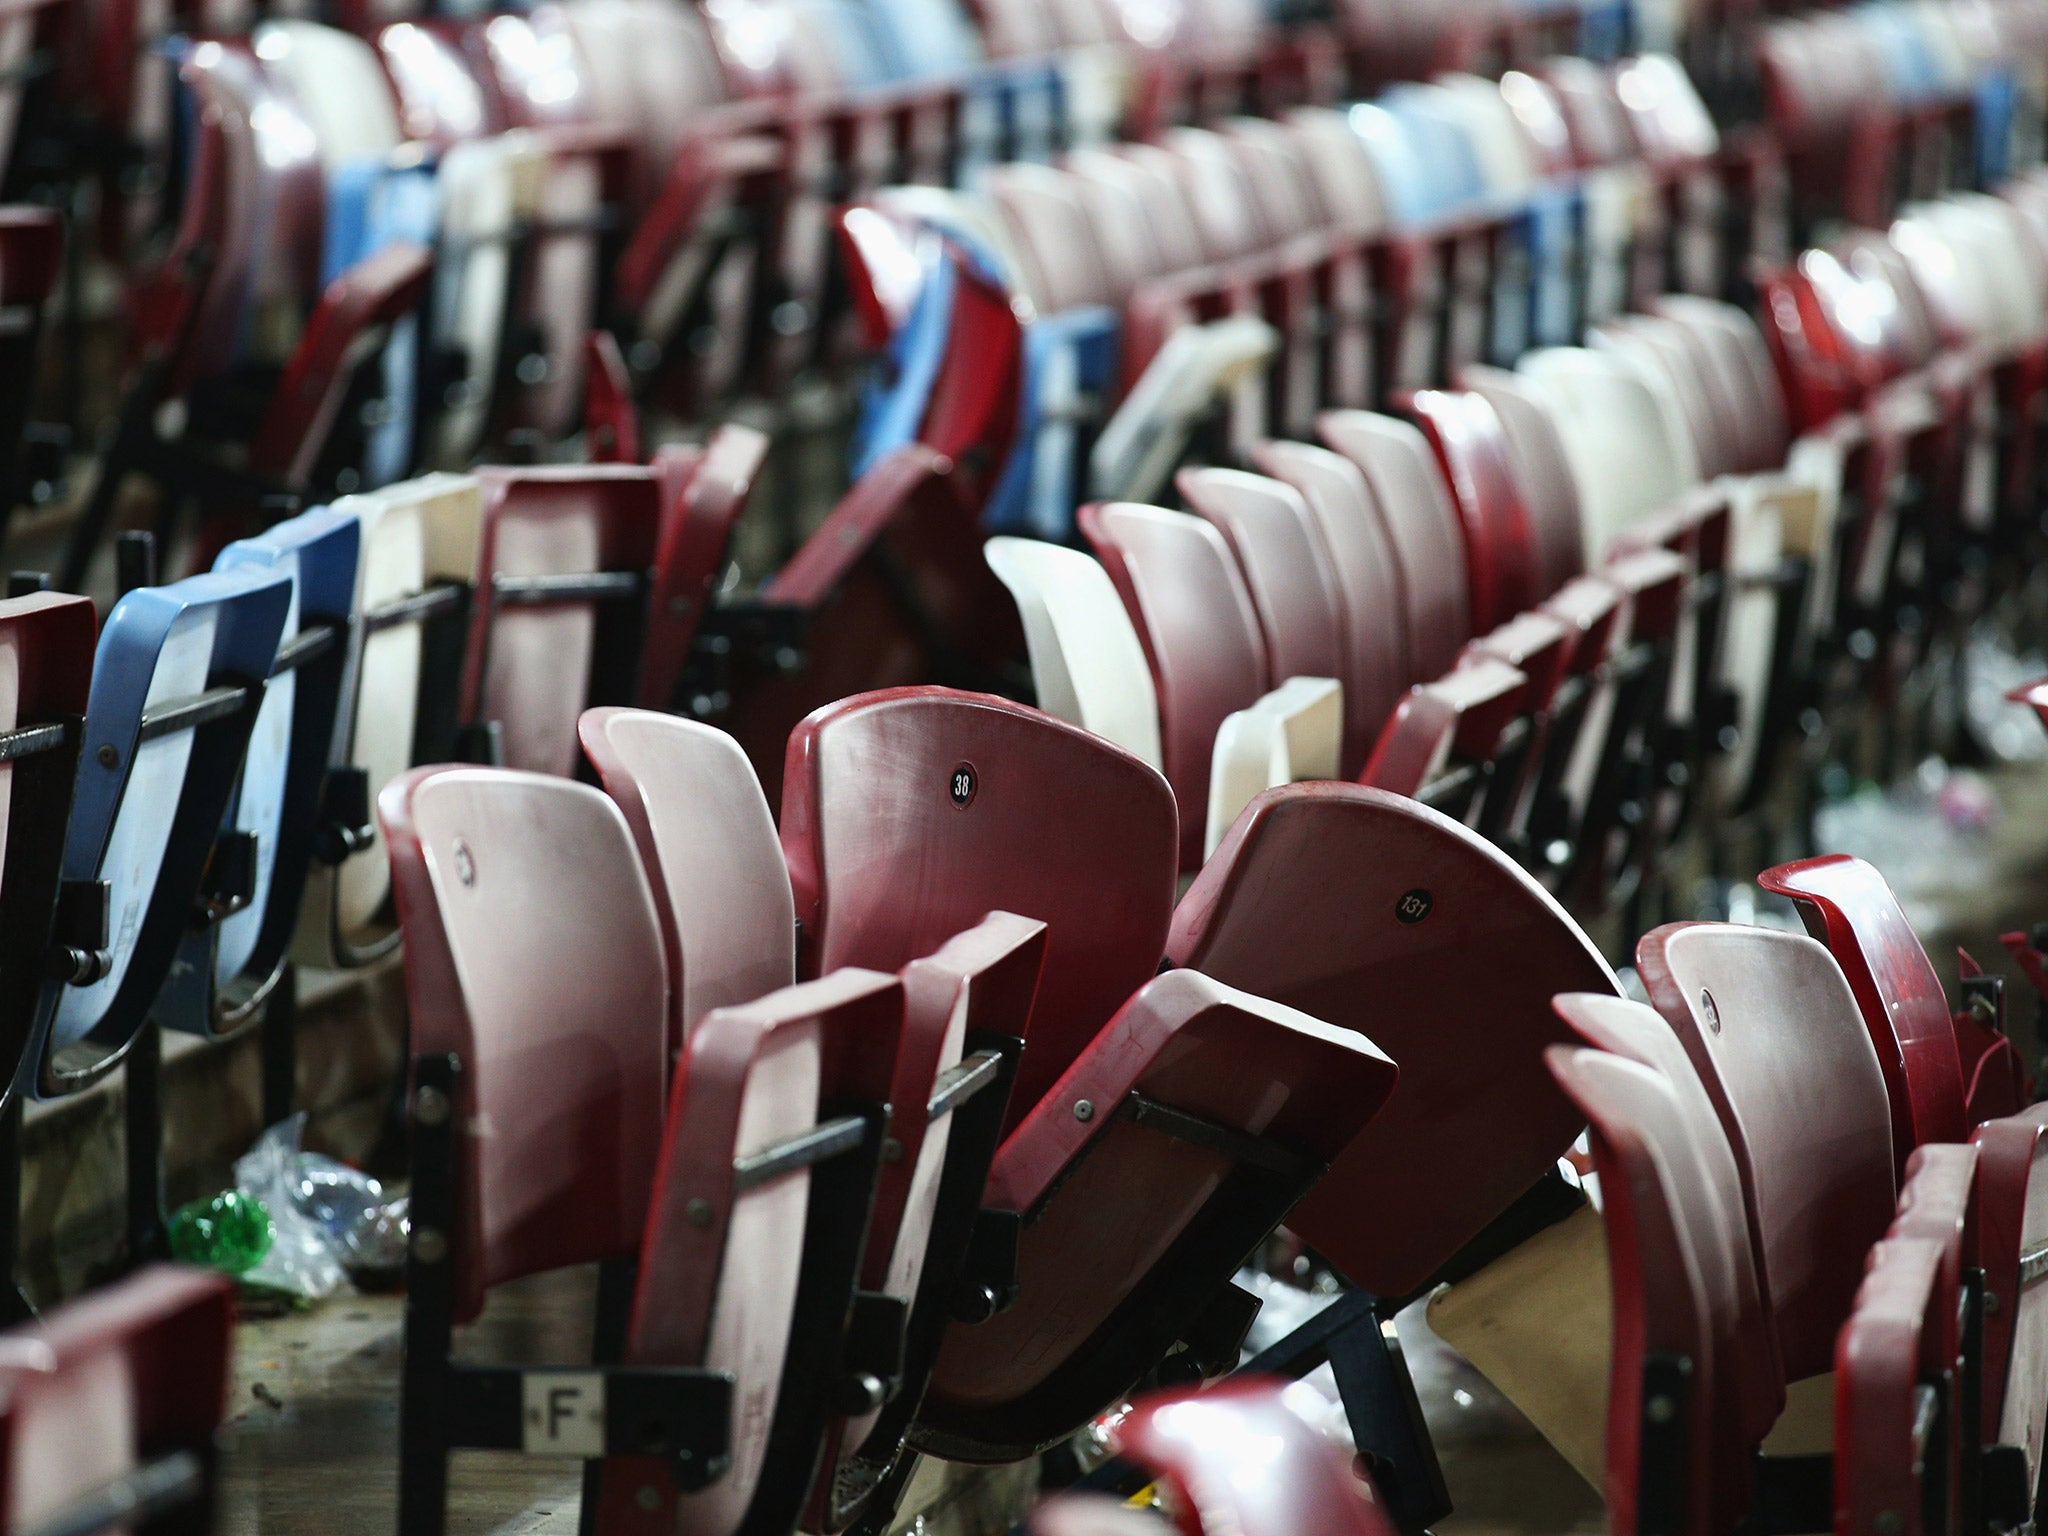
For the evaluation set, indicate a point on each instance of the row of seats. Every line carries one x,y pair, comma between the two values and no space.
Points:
1329,260
1827,1100
199,780
1879,104
1792,1174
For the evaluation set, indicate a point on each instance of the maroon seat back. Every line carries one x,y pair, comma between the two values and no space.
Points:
907,815
1293,591
1477,462
1847,906
1187,599
1749,1380
703,495
533,664
903,523
136,1369
707,843
1422,525
1889,1355
1549,494
1774,1034
1352,905
1351,544
507,885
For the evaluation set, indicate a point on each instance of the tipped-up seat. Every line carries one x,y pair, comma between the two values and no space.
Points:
1422,526
1805,1109
1224,1109
703,496
48,640
177,682
559,608
1892,1454
227,970
1353,545
416,564
1677,1317
708,846
760,1183
1226,731
891,589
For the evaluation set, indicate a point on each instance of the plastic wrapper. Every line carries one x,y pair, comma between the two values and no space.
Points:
296,1222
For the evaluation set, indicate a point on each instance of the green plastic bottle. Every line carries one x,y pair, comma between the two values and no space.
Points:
229,1231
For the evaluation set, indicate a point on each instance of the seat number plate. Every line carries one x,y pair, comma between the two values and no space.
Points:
563,1413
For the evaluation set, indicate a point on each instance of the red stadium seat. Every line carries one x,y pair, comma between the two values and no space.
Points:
1847,906
1351,903
109,1407
1805,1109
559,612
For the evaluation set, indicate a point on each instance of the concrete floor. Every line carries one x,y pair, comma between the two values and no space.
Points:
312,1440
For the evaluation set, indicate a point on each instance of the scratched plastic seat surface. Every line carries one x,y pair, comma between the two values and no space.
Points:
417,561
1351,904
156,778
1805,1107
909,814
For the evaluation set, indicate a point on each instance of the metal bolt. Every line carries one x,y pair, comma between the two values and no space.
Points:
1084,1110
648,1498
429,1246
430,1106
698,1212
892,1150
1990,1303
1713,1014
1661,1410
1889,1522
465,863
108,755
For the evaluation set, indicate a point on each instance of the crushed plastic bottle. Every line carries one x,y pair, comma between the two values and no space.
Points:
229,1231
